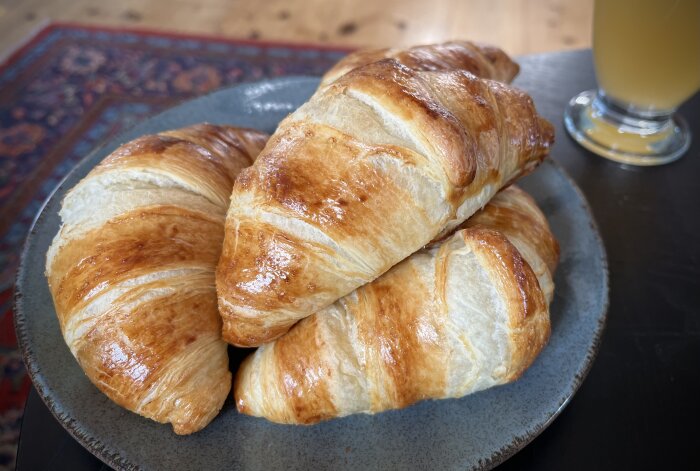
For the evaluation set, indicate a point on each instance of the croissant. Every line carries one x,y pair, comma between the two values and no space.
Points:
466,314
367,172
131,271
482,60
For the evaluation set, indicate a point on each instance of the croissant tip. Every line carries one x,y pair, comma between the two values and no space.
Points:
185,428
242,406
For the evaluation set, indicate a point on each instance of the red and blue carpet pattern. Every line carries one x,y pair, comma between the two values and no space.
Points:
73,87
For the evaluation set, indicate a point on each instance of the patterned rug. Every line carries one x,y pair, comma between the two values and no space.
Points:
70,88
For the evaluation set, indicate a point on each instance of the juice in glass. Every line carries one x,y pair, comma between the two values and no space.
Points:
647,52
647,61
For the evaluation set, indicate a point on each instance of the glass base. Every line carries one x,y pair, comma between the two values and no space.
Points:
613,132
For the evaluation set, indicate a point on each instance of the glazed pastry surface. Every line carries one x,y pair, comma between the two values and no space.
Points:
132,269
482,60
465,314
371,169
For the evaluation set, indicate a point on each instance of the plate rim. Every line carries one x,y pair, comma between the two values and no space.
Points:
112,457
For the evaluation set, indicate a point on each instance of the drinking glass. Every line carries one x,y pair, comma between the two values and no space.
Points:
647,62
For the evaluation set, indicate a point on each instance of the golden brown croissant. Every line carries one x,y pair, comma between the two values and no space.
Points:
482,60
466,314
368,171
131,271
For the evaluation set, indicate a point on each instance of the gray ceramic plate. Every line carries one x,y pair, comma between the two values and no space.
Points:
478,431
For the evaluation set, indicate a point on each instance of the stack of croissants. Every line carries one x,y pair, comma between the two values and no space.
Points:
373,248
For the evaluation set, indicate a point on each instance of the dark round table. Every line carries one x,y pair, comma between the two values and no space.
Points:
639,407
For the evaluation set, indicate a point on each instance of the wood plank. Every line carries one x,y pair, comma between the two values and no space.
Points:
517,26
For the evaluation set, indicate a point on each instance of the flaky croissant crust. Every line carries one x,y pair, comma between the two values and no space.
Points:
368,171
468,313
131,271
482,60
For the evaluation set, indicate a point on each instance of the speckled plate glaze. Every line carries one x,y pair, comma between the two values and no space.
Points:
475,432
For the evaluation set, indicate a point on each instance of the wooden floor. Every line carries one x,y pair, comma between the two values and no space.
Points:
518,26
